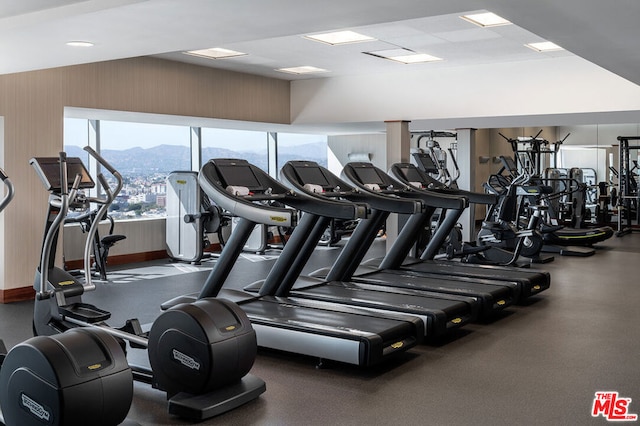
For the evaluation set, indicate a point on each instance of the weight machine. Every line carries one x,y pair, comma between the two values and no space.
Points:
628,187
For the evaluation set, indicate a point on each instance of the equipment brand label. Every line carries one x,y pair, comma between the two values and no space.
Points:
185,360
612,407
34,408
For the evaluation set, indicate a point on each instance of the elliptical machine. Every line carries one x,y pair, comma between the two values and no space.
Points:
200,353
501,229
71,378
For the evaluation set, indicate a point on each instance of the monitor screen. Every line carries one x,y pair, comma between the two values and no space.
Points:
49,170
411,174
368,175
239,175
312,175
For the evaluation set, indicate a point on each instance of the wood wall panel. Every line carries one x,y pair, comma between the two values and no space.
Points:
32,104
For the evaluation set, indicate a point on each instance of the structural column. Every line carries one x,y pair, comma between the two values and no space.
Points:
467,158
398,150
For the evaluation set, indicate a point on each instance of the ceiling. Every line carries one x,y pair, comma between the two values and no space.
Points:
33,33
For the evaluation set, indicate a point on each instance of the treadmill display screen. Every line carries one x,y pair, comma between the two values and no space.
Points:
411,174
369,175
312,175
239,175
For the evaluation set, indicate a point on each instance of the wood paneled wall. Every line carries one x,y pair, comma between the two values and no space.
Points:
32,104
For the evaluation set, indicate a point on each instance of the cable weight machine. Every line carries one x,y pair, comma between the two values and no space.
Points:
628,188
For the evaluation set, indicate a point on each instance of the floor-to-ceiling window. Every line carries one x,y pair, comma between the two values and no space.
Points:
228,143
146,153
296,146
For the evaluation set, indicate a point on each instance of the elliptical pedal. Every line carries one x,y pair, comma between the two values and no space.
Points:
84,312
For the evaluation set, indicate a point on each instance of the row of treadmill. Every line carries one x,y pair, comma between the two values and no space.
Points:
202,347
358,311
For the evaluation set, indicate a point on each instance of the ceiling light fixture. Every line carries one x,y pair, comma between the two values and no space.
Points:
487,19
544,46
306,69
215,53
78,43
404,56
340,37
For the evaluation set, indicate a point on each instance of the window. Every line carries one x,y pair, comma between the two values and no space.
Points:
144,154
244,144
292,146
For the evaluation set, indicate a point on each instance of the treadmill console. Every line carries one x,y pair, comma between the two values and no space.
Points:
370,177
238,173
311,174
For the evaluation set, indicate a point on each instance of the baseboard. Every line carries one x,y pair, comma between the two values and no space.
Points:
121,259
27,293
17,294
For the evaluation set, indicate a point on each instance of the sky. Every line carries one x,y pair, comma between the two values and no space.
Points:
123,135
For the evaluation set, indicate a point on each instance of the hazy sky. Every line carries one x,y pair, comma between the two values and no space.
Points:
123,135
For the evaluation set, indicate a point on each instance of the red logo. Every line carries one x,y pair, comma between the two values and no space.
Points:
612,407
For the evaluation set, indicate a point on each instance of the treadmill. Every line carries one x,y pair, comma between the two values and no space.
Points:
343,334
530,281
308,177
440,313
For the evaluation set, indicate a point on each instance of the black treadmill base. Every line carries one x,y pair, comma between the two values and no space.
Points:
201,407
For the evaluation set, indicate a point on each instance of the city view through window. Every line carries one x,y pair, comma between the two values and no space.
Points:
145,154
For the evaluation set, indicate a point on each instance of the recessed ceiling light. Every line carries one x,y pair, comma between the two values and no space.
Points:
340,37
79,43
487,19
404,56
215,53
302,70
544,46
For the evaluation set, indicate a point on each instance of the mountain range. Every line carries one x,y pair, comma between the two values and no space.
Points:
164,159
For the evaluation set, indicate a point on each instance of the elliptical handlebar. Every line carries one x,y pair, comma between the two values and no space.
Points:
10,190
105,203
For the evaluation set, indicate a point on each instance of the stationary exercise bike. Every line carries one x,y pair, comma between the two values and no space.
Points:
199,353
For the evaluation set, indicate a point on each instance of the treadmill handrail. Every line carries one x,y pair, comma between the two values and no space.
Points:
402,190
256,212
321,207
331,199
389,202
473,197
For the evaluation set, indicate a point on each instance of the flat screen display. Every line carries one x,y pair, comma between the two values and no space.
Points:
368,175
312,175
239,175
411,174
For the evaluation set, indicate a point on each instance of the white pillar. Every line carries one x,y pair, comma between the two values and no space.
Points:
398,146
467,158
